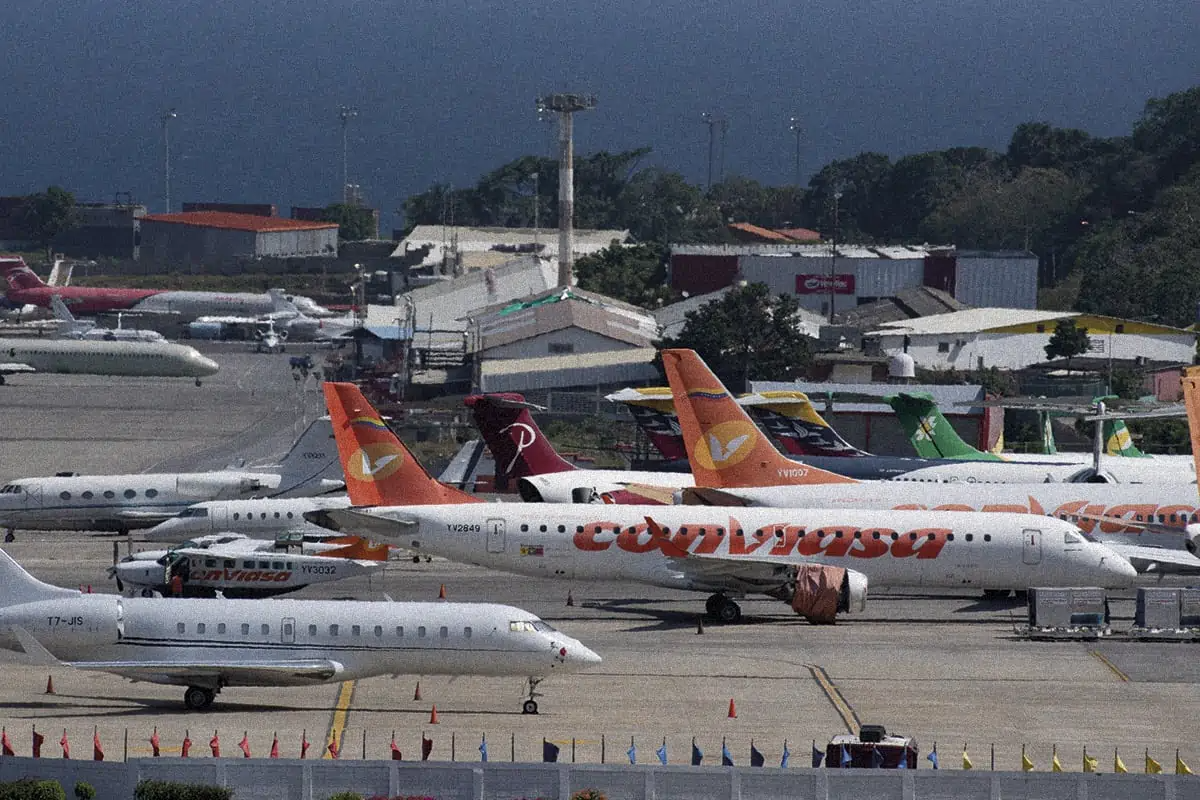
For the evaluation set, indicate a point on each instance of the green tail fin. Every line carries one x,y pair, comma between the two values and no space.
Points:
1048,446
1118,442
929,431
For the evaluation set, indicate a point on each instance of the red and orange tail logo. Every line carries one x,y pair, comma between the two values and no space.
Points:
356,547
724,447
378,468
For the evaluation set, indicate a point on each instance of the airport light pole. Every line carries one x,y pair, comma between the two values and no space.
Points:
167,116
715,122
794,127
837,197
565,105
345,114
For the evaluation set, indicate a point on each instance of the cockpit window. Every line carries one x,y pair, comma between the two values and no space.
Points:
11,488
1071,537
194,512
544,627
521,626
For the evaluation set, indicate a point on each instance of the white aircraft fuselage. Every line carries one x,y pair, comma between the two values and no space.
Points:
262,518
103,357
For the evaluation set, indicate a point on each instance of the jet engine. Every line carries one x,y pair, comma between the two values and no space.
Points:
822,592
1192,539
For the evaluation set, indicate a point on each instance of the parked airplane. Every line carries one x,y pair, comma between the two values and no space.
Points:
101,357
1145,523
780,553
25,287
122,503
71,328
238,566
208,645
260,517
269,340
288,320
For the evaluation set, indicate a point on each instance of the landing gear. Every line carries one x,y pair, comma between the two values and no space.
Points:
724,609
198,698
530,706
995,594
10,534
197,381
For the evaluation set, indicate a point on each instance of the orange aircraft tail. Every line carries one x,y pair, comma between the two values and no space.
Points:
356,547
725,448
379,469
1191,400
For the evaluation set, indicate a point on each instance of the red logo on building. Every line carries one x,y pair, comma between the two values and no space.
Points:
823,284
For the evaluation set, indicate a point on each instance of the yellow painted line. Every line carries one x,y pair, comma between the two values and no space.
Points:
843,708
1115,669
337,722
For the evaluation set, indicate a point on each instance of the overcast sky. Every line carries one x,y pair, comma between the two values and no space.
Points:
446,90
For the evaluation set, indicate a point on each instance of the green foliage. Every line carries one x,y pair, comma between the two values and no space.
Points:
32,789
1127,384
355,223
1160,435
1067,341
84,791
588,794
747,335
637,274
993,380
169,790
47,214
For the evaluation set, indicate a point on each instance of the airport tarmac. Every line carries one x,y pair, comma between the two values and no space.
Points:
942,669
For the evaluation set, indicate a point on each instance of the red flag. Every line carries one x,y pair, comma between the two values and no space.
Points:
154,741
245,744
37,743
275,747
215,744
66,746
5,744
332,747
304,744
97,750
395,750
426,747
186,747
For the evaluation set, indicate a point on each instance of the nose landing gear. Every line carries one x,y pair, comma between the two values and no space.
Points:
530,706
198,698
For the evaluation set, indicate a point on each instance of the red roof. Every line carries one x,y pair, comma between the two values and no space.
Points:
745,231
238,222
800,234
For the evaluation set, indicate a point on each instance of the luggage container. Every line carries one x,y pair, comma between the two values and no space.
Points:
1067,613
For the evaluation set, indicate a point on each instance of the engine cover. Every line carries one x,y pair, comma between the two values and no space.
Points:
823,591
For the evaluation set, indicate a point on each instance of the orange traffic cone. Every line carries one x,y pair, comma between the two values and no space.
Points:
442,592
732,709
49,684
433,718
417,693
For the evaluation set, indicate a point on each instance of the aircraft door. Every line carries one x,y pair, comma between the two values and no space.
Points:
33,497
287,630
495,536
218,518
1031,550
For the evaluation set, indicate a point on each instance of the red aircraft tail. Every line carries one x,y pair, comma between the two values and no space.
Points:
518,445
18,274
379,469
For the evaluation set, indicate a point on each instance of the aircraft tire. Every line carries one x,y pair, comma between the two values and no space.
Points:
713,603
529,707
729,612
197,698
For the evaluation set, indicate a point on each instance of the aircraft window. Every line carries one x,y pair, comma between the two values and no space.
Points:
779,534
130,494
913,536
289,565
247,565
109,494
333,630
544,627
562,528
420,631
400,631
230,563
378,631
467,633
152,493
356,630
87,495
970,537
236,515
858,534
1070,537
288,630
200,627
579,529
895,536
683,529
65,495
444,632
616,529
289,515
312,630
276,515
521,626
210,562
1162,517
875,534
837,535
276,565
221,627
246,629
191,511
703,532
180,627
542,528
987,537
263,515
264,565
524,528
949,537
266,630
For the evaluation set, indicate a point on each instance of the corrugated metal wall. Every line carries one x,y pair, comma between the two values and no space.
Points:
996,282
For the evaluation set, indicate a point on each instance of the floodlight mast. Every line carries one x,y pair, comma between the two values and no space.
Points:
565,105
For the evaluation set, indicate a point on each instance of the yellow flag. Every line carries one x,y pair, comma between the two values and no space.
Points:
1089,762
1026,761
1118,764
1055,764
1180,767
1152,766
967,759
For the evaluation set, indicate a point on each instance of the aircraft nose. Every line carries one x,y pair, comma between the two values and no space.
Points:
206,364
579,655
1116,568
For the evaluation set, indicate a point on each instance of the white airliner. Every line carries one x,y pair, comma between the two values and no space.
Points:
238,566
208,645
71,328
700,548
124,502
262,518
285,317
736,465
103,357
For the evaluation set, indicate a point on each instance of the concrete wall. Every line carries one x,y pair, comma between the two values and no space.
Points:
584,341
1020,350
266,779
319,242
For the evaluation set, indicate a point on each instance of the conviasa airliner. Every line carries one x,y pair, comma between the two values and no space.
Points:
103,357
208,645
783,553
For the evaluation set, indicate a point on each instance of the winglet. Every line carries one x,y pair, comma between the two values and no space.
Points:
724,447
665,544
379,469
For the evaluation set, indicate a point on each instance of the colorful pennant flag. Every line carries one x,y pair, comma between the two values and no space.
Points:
5,744
697,754
244,744
1152,766
154,742
1118,765
967,759
1026,761
65,744
97,750
275,745
1090,764
37,743
1180,767
1055,764
482,748
932,757
549,752
214,744
186,747
662,752
756,758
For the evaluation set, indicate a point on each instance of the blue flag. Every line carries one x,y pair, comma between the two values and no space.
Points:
697,754
549,751
756,758
933,757
903,763
483,749
817,756
845,756
876,758
662,753
632,753
726,756
783,760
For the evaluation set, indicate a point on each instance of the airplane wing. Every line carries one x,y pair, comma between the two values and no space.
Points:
1157,560
716,569
145,516
13,367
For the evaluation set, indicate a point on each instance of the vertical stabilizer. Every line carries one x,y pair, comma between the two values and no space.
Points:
724,447
1191,401
18,275
311,466
518,446
379,470
1118,441
791,420
929,431
18,586
653,409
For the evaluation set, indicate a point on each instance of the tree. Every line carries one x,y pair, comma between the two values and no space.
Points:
636,273
354,222
45,215
1067,341
747,335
